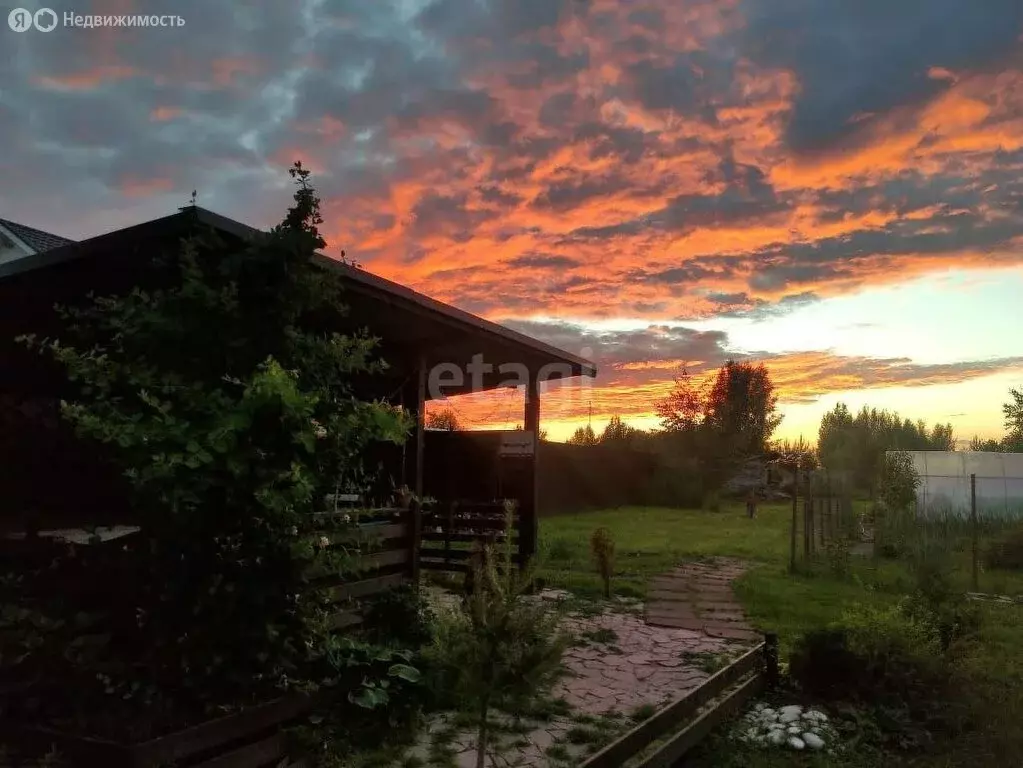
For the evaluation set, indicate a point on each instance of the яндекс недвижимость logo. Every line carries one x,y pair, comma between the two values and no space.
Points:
22,20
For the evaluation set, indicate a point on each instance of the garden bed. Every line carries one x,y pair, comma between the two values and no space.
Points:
249,738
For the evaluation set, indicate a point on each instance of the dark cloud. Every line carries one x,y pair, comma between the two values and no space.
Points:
543,261
870,56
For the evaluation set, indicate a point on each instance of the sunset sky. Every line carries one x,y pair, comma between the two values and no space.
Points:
832,187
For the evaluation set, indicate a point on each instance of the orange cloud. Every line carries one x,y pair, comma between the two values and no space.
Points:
133,187
87,80
162,114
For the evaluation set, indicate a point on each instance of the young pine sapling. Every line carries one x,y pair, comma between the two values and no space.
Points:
602,546
498,648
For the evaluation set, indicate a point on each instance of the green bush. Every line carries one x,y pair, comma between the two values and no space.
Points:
837,551
399,617
871,652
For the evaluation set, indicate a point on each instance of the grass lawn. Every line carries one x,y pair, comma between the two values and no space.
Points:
650,541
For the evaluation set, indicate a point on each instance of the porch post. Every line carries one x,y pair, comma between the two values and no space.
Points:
528,523
420,425
417,505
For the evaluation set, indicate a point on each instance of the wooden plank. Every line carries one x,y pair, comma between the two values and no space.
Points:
366,587
456,555
670,753
432,522
363,516
671,716
416,542
389,557
75,749
441,565
268,751
464,538
206,736
387,532
344,620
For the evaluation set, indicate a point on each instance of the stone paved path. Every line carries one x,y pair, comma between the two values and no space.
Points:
619,664
698,597
644,665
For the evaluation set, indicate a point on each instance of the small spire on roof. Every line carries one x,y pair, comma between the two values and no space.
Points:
191,202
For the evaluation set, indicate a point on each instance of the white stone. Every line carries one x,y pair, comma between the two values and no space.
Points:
777,738
794,730
796,743
813,741
788,717
816,715
768,712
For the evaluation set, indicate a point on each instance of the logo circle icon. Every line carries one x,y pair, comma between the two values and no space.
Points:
20,20
45,19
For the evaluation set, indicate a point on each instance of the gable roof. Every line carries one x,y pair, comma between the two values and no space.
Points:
35,239
451,334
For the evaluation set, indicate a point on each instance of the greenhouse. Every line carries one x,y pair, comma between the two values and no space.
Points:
944,488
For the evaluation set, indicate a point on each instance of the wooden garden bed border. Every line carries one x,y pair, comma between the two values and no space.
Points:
253,733
754,670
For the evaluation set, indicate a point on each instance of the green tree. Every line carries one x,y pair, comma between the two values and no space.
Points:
227,400
682,410
617,431
740,408
988,446
796,453
445,419
1013,412
583,436
857,444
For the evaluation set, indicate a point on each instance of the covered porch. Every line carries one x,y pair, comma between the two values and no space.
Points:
433,350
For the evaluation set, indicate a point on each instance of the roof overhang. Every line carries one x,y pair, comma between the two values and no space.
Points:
415,328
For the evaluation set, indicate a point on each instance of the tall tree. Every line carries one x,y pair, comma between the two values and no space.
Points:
583,436
985,446
1013,411
682,410
740,408
858,444
617,431
446,419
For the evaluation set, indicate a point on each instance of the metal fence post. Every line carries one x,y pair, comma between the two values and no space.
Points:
795,507
973,526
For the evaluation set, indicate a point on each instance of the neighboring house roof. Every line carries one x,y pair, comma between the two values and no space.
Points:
35,239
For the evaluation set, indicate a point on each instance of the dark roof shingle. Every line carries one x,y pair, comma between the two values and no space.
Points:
35,238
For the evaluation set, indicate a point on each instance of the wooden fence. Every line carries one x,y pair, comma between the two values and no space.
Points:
394,544
664,738
449,531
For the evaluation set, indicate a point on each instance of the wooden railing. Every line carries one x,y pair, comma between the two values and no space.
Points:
387,541
684,722
450,529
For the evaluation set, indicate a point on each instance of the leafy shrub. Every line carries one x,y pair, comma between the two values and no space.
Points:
401,617
1007,552
837,552
602,547
901,662
871,651
371,676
